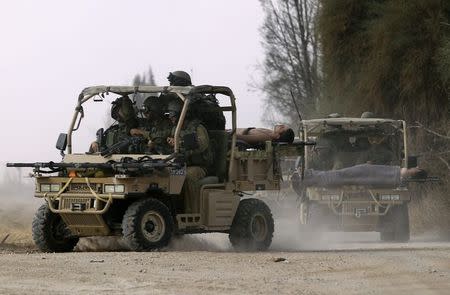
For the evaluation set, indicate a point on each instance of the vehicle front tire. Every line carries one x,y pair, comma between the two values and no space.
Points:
395,224
252,228
50,233
147,225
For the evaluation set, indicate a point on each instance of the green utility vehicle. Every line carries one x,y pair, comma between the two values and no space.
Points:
346,142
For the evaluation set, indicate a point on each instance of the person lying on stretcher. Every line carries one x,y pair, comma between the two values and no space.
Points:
254,136
380,176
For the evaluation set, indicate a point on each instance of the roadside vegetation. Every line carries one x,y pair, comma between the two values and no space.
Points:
388,57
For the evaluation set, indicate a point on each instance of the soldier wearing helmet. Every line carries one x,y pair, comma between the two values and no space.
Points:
156,127
379,151
122,111
195,148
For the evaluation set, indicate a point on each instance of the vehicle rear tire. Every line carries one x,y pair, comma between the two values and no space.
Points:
50,233
147,225
395,224
252,228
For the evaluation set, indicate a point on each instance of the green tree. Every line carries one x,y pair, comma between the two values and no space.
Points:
387,56
393,57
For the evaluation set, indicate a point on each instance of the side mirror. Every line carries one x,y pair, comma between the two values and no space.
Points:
61,143
411,162
190,141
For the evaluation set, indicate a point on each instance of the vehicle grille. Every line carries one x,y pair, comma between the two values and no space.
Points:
81,187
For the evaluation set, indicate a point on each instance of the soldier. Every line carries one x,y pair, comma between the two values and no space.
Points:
123,112
379,152
196,150
157,127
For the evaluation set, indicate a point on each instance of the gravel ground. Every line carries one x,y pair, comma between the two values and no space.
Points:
360,265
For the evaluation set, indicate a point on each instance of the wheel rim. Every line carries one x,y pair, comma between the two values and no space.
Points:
153,226
259,227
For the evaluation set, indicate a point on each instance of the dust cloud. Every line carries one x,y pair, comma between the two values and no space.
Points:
18,206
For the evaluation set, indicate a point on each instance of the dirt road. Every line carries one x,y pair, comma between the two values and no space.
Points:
358,266
333,263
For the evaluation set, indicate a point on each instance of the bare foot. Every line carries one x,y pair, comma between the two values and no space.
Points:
411,172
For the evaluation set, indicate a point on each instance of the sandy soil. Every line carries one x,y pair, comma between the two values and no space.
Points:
331,263
360,265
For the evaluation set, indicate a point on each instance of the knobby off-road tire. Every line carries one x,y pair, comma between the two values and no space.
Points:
252,227
147,225
50,233
395,224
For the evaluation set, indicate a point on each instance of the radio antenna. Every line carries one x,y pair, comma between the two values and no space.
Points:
296,106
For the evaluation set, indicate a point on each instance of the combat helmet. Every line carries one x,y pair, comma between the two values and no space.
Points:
179,78
122,109
334,115
367,115
173,109
154,105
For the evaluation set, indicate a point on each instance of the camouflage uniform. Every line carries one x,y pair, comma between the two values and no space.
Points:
125,122
156,128
197,161
378,154
157,131
114,134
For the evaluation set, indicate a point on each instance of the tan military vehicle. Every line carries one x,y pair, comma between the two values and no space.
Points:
346,142
140,196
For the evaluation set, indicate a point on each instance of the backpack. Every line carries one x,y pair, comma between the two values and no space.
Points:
206,109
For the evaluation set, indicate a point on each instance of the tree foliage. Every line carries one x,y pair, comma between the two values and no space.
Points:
147,78
393,57
387,56
292,57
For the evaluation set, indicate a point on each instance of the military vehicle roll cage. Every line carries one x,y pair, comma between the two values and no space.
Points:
355,207
182,92
315,126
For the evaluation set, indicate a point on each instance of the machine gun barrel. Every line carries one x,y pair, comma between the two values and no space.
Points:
53,165
21,164
143,166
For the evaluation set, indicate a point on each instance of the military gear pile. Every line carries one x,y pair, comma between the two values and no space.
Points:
207,110
201,154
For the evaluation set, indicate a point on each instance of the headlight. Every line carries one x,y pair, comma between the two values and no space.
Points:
55,187
109,188
395,197
114,188
45,188
119,188
50,187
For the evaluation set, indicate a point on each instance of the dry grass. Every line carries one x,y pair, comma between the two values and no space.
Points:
430,213
16,222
